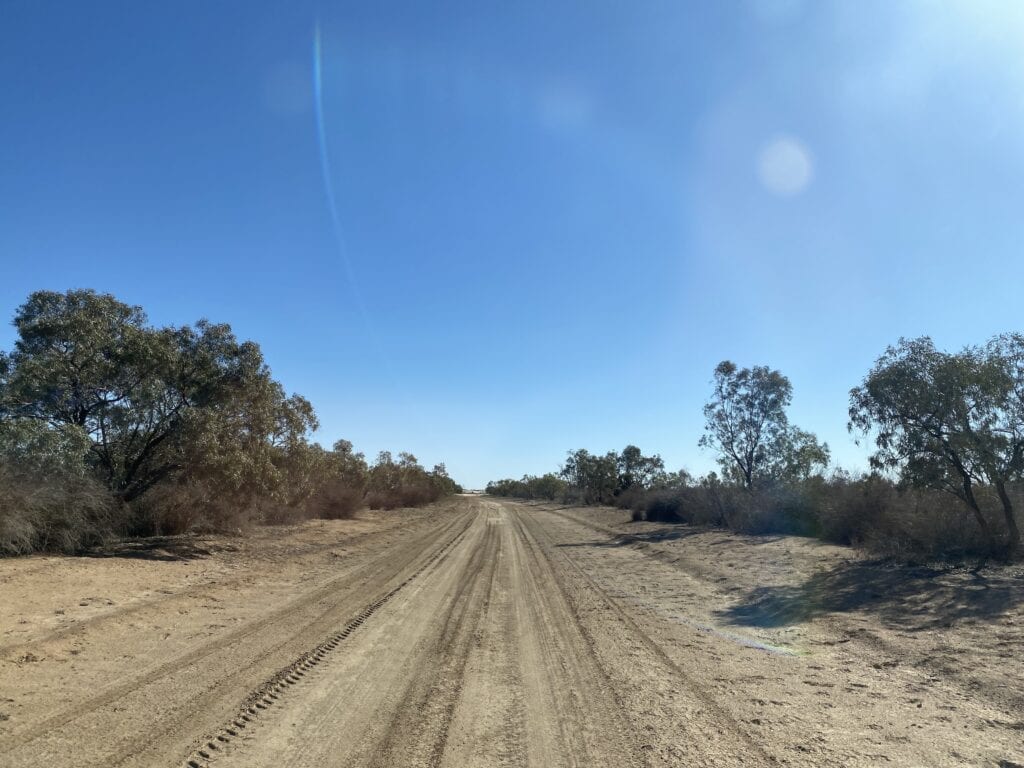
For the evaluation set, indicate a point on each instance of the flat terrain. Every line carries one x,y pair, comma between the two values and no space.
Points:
482,632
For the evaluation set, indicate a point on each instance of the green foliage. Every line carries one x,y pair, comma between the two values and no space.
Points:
638,471
157,404
183,427
405,483
40,449
548,487
949,425
443,482
748,427
590,478
949,421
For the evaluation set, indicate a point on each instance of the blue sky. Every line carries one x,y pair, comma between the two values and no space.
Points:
550,220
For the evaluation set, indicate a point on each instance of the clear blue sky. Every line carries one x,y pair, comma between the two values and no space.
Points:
551,220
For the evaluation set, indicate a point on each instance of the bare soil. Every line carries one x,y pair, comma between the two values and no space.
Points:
483,632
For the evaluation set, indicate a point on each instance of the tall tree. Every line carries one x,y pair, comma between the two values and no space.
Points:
949,421
638,471
156,404
746,424
594,478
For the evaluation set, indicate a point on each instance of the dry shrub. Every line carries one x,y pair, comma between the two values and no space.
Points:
925,525
774,510
630,497
173,508
858,510
407,495
284,514
55,513
869,511
168,510
572,495
381,500
663,507
336,501
696,505
417,495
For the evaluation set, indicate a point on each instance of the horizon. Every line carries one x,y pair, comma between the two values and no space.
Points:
490,237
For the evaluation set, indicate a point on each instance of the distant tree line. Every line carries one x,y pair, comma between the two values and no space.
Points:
945,477
593,479
109,425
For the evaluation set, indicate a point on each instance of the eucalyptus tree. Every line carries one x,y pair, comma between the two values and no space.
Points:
154,404
747,425
547,486
347,465
951,421
37,449
594,478
638,471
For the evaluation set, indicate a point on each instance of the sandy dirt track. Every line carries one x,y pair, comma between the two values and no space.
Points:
483,632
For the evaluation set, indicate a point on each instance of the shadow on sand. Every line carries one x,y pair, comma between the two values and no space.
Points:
157,548
647,537
908,597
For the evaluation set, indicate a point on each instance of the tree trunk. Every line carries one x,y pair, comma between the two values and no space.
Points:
972,502
1012,531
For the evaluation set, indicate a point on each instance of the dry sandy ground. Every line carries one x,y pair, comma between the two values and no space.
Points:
491,633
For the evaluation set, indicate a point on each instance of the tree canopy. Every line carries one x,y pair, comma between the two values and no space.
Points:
599,479
952,421
155,403
746,423
174,421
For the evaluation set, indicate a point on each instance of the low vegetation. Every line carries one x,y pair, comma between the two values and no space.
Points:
946,478
110,426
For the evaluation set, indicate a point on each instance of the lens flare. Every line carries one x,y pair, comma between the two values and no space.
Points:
785,167
325,169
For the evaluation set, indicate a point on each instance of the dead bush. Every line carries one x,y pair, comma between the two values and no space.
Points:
336,501
173,508
630,497
381,500
408,495
857,509
696,505
663,507
927,525
284,514
54,514
868,511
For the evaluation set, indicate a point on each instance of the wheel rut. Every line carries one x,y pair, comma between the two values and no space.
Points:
274,689
210,671
717,722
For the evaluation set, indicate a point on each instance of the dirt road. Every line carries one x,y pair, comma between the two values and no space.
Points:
492,633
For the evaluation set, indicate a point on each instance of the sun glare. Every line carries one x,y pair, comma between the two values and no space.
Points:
784,166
